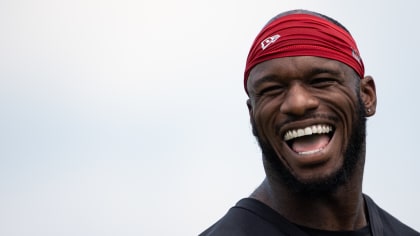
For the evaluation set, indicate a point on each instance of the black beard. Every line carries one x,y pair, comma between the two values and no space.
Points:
353,156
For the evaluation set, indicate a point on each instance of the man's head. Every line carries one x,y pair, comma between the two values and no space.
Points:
308,99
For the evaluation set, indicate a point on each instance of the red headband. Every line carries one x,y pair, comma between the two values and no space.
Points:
303,35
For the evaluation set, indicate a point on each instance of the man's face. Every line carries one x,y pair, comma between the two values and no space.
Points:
309,119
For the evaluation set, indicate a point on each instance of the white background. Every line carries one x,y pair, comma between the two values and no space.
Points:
129,117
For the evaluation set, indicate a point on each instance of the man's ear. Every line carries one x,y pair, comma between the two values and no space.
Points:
250,105
368,94
250,108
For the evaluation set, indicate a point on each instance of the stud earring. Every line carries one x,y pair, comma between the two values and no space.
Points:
368,110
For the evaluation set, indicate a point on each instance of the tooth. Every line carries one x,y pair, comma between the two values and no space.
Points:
308,131
287,136
300,132
319,127
295,133
314,129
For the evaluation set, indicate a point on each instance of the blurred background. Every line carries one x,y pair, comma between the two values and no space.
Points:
129,118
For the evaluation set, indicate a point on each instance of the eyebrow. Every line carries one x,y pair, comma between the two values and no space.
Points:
319,70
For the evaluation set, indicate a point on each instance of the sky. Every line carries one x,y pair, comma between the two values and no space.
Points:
129,117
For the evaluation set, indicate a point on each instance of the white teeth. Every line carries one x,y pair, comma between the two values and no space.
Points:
308,130
314,129
300,132
311,152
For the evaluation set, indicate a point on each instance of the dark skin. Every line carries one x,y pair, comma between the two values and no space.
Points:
296,92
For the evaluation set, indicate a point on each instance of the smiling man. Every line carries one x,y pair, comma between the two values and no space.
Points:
308,103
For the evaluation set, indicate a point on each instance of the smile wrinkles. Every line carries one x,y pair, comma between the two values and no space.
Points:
313,129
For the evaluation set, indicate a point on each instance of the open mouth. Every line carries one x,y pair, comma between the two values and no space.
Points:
309,140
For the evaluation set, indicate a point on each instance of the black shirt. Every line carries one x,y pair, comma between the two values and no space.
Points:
250,217
365,231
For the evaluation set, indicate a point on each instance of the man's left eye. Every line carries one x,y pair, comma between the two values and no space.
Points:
323,82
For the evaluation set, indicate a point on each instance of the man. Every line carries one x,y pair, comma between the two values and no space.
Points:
308,103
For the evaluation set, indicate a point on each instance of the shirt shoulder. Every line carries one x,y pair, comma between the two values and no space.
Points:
383,223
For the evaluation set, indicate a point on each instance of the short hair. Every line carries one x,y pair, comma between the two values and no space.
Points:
297,11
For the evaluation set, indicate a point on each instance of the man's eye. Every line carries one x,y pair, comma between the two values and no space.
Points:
271,90
323,82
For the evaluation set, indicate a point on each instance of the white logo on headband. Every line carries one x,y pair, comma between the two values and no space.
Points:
356,56
266,42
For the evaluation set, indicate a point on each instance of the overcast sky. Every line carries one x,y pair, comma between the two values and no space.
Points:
129,118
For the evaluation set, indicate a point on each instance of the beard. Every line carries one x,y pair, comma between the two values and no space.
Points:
353,156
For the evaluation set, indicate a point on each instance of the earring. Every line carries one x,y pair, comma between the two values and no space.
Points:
368,110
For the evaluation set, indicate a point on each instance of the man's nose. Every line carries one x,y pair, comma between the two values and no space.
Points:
298,101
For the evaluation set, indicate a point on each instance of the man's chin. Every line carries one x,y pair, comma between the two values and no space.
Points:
320,185
310,186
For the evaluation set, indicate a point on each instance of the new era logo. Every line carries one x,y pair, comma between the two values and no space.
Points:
356,55
266,42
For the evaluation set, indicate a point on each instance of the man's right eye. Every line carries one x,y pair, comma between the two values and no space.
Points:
272,90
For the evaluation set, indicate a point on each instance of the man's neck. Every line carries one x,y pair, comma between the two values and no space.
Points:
343,209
